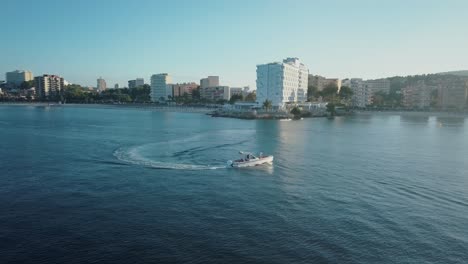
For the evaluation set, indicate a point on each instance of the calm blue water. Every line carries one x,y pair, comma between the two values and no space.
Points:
80,185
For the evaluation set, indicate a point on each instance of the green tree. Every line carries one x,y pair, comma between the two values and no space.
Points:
74,93
221,101
251,97
331,109
196,94
27,84
139,94
379,98
267,104
296,112
345,92
236,97
312,91
329,92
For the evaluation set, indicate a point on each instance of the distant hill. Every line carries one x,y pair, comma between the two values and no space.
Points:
457,73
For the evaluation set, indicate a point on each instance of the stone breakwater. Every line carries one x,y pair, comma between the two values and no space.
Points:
262,114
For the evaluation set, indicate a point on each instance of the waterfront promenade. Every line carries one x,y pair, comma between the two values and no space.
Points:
148,107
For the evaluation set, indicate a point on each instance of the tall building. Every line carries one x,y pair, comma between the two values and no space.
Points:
159,84
417,95
18,77
453,95
282,82
48,86
210,81
379,85
101,84
136,83
362,95
116,86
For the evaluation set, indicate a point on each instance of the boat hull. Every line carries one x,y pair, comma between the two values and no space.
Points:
251,163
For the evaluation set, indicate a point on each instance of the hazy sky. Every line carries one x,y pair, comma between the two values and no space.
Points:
122,40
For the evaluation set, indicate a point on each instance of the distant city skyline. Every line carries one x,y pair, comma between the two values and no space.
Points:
194,39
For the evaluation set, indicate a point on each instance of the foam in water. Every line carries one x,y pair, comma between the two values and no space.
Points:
133,156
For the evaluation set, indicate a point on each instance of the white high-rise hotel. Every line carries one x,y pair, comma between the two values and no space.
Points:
159,86
282,82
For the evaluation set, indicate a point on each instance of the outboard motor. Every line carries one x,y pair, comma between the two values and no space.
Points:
229,163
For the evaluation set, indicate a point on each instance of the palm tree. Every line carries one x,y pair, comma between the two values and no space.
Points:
267,104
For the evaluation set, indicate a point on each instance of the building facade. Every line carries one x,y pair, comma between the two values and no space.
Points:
236,91
282,82
453,95
379,85
136,83
210,81
321,82
179,89
244,91
17,77
417,95
49,86
139,82
101,84
159,87
215,93
132,84
362,95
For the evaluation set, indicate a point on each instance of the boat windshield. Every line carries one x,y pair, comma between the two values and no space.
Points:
250,156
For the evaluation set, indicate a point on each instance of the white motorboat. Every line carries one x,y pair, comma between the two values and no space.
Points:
250,160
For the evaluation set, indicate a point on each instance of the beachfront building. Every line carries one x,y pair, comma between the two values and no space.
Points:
379,85
236,91
215,93
136,83
210,81
345,82
49,86
244,91
210,89
180,89
101,84
282,82
321,82
17,77
453,95
159,87
362,95
417,95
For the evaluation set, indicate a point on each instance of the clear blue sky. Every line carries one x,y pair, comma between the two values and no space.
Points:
121,40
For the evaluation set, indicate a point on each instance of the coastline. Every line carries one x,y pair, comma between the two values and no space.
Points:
413,113
150,107
208,110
